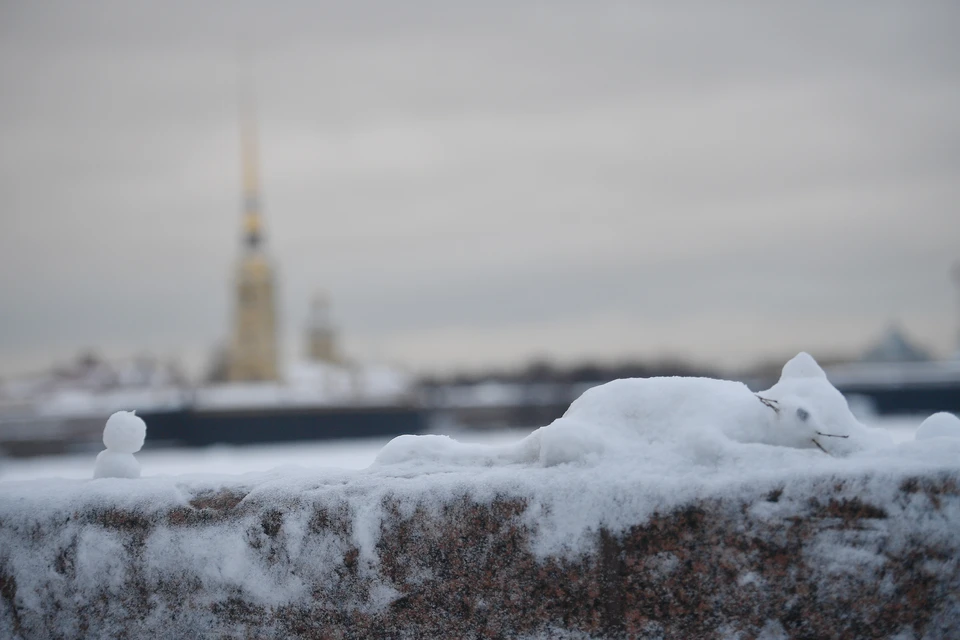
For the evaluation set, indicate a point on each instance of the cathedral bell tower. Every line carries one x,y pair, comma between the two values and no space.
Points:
252,354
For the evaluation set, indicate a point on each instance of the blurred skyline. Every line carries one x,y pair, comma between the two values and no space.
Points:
475,185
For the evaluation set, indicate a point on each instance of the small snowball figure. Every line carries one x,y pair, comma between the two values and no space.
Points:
123,436
939,425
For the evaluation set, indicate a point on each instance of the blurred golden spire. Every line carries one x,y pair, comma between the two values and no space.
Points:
252,221
252,355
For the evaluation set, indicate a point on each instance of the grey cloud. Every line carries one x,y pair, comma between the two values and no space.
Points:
480,169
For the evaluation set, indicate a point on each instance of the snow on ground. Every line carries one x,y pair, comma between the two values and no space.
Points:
228,460
338,454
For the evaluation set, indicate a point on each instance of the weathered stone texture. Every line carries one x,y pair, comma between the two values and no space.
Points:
711,569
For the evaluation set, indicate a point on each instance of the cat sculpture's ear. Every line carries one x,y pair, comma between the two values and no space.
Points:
802,365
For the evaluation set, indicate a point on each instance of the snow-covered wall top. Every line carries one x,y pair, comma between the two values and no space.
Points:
669,507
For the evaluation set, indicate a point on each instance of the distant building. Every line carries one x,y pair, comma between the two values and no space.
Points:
252,352
894,346
321,334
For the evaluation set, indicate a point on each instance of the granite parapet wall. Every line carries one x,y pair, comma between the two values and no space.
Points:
829,562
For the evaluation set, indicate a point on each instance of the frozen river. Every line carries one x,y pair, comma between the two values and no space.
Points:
343,454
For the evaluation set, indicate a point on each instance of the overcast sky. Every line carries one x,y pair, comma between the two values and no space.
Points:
483,183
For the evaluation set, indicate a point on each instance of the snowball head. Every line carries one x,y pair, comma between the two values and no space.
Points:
125,432
111,464
939,425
